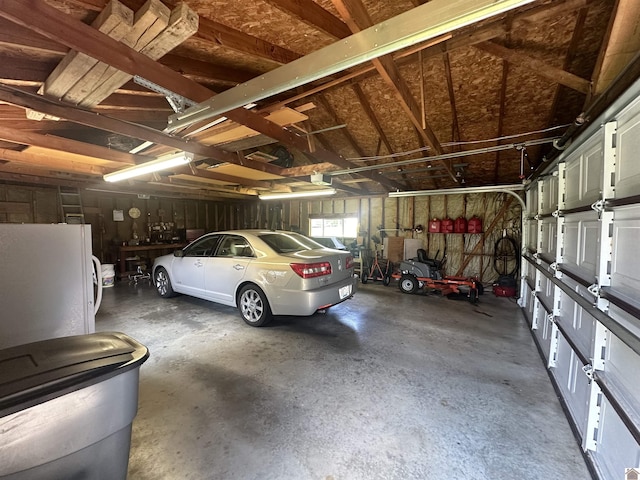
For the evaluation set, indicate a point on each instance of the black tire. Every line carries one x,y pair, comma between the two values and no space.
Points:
480,288
163,283
408,283
364,278
386,280
254,306
473,296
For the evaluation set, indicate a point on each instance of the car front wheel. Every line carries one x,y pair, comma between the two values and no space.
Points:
163,283
254,306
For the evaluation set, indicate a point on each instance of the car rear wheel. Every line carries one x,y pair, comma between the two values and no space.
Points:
408,283
163,283
254,306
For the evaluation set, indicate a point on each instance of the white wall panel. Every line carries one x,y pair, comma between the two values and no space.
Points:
573,383
622,366
549,197
548,237
583,171
627,148
545,291
581,247
578,324
616,448
545,326
625,265
625,319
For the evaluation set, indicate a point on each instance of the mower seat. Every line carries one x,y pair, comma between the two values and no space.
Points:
422,258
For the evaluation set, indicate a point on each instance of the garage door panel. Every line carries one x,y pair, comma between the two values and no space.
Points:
573,383
622,367
581,244
584,169
625,262
627,148
578,324
544,330
548,237
616,448
549,195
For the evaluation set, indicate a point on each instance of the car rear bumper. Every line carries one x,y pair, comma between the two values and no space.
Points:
307,302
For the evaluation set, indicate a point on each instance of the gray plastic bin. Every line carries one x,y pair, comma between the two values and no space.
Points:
67,405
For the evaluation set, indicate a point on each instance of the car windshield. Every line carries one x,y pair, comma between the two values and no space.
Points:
288,242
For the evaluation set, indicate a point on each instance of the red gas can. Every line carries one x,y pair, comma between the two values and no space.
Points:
434,226
460,225
446,226
475,225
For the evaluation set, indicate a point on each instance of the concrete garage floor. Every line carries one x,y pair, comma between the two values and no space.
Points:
383,386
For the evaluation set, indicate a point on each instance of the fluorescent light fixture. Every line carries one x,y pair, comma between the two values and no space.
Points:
420,24
161,163
307,193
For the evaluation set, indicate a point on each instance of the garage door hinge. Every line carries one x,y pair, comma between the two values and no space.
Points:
588,371
594,290
555,214
554,266
551,318
598,206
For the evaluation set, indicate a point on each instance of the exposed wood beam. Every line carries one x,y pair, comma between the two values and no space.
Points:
309,12
536,66
438,46
366,106
578,32
224,36
305,170
455,133
201,172
355,15
49,162
502,107
322,100
206,70
21,137
621,43
110,124
50,22
488,230
218,34
23,174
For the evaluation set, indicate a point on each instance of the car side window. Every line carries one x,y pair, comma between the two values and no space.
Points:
203,247
234,246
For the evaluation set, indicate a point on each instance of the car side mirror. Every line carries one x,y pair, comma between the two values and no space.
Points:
178,253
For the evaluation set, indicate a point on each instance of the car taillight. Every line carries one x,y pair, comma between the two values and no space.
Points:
349,262
311,270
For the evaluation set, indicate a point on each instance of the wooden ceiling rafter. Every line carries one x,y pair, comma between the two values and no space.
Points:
309,12
366,106
50,162
357,18
487,32
113,125
21,137
52,23
571,53
536,66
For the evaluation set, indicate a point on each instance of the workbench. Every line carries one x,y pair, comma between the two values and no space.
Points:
154,250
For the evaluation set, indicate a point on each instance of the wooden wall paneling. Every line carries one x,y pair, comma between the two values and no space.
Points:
436,240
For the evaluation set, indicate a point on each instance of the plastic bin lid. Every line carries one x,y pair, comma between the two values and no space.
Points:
36,372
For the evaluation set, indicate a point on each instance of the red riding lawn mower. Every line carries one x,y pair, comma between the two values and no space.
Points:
425,273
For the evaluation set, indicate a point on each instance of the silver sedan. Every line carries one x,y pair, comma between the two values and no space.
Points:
261,272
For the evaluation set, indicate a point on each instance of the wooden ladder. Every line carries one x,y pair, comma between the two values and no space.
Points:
71,205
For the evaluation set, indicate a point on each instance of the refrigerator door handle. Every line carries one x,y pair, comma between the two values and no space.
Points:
98,270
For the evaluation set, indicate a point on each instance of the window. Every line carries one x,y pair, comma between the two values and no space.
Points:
346,227
234,246
203,247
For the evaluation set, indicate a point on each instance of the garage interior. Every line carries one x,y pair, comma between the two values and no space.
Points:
393,118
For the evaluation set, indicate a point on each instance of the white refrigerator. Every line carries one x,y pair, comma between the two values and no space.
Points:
47,278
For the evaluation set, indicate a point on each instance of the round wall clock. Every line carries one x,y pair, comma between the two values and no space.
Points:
134,212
